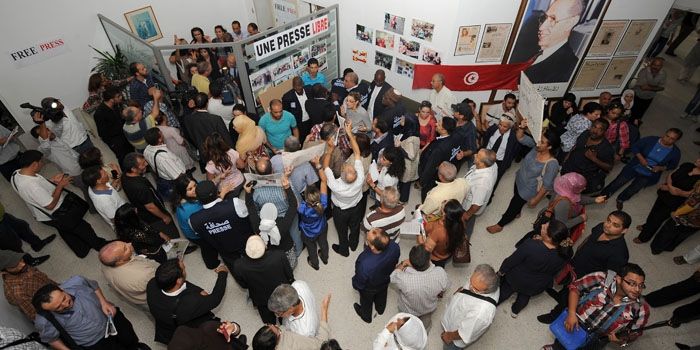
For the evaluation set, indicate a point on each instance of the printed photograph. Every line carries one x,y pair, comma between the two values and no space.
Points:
394,23
363,33
422,30
409,48
359,56
384,39
299,58
318,49
431,56
383,60
404,68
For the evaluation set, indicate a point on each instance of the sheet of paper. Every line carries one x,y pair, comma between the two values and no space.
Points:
264,180
176,248
294,159
374,170
9,138
411,228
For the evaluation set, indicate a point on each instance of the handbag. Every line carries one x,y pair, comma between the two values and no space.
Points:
462,254
540,179
165,188
547,215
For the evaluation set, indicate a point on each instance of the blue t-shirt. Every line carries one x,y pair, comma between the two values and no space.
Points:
310,221
278,130
320,79
183,213
654,158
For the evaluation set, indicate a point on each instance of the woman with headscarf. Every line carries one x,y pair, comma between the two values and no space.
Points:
410,144
568,203
627,101
561,112
403,332
250,137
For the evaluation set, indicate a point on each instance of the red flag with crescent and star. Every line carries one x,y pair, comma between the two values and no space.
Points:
472,77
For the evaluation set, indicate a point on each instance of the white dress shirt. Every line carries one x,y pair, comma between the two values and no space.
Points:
501,151
106,203
442,100
345,195
481,182
372,98
307,323
302,103
69,129
169,165
60,153
469,316
216,107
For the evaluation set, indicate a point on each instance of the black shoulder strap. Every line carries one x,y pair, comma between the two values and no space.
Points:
65,337
155,160
18,342
478,296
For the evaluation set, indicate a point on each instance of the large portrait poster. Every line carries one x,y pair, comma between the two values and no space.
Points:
589,74
616,72
607,38
554,35
635,37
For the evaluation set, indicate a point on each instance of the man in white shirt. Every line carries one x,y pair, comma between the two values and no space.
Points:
296,306
56,150
236,31
104,197
471,310
501,139
441,97
67,127
494,114
167,165
216,104
377,89
44,197
481,178
346,194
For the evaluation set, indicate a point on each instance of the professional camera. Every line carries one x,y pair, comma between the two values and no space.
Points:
51,109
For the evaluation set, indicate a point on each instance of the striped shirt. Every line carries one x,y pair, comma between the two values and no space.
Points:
596,308
387,219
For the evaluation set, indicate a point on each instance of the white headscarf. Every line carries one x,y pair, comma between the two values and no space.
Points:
411,336
268,226
622,99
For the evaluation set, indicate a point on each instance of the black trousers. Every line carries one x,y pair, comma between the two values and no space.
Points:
267,316
640,107
368,298
209,253
659,212
80,239
120,146
125,339
404,191
13,231
314,244
507,290
677,292
347,224
514,208
170,229
9,167
670,236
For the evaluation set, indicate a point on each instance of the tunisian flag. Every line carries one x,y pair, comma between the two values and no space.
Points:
471,78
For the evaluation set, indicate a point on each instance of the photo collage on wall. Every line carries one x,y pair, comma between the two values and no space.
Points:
410,39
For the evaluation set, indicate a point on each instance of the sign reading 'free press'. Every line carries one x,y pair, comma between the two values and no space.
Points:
271,45
41,51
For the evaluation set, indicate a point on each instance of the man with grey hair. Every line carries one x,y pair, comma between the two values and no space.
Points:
200,80
441,97
296,306
501,139
471,310
351,82
302,175
389,215
448,187
481,178
127,272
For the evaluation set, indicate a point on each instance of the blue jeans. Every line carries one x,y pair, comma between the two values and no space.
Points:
450,346
628,174
295,232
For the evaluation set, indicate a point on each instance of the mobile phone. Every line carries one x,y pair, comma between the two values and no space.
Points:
253,183
115,174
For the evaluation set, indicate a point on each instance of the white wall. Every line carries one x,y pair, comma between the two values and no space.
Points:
688,5
24,23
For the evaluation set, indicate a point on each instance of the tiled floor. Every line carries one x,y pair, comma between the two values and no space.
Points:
505,333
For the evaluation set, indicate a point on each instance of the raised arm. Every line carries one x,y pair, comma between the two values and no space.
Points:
353,141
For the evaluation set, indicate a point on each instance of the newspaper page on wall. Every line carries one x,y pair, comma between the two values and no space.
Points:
531,106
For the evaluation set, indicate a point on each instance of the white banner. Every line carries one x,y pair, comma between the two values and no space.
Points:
273,44
38,52
531,106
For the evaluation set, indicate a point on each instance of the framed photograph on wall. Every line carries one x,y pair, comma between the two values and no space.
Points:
494,42
635,37
554,35
618,69
394,23
143,23
588,75
383,60
607,38
422,30
467,38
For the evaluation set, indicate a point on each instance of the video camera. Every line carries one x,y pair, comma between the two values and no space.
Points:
51,109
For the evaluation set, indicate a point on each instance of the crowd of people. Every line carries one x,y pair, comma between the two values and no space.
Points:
362,180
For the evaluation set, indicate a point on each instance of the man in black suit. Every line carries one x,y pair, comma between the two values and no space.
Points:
382,137
377,89
294,101
501,139
174,301
200,124
555,61
437,152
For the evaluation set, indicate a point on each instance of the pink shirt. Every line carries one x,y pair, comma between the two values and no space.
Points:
235,177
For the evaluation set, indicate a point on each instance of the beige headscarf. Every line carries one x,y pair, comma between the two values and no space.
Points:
250,136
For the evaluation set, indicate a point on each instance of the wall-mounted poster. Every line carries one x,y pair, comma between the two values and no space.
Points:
422,30
299,58
363,33
394,23
281,69
384,39
467,38
618,69
143,23
607,38
404,68
431,56
635,37
494,42
319,48
589,74
383,60
409,48
359,56
284,11
554,35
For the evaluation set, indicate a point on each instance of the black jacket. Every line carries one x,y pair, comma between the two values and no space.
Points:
512,147
556,68
189,308
284,223
198,125
290,103
315,108
437,152
223,228
388,141
378,106
261,276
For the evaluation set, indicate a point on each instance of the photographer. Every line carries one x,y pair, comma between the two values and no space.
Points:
63,123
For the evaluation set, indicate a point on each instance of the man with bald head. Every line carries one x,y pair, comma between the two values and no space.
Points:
377,89
447,187
441,97
127,272
555,61
294,101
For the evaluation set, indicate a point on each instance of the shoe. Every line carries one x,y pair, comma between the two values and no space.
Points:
548,347
356,306
640,227
243,341
43,243
308,260
190,249
494,229
513,314
671,53
697,142
619,205
32,261
336,248
324,261
637,240
353,246
142,346
679,260
546,318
